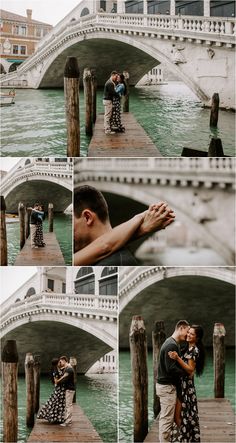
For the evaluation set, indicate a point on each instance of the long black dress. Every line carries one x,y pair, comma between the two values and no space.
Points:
54,409
189,430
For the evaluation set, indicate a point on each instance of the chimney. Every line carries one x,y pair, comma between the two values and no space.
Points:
29,14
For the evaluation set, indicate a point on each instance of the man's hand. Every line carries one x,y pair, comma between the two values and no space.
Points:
173,355
157,217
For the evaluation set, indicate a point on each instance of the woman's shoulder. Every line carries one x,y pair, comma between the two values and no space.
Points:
193,353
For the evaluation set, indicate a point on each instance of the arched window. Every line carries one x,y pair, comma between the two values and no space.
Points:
31,291
27,162
84,12
85,281
16,301
108,282
2,69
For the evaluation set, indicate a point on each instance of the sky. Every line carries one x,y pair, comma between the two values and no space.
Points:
47,11
12,277
6,163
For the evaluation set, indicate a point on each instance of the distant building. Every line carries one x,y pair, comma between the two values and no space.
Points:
108,363
153,77
19,36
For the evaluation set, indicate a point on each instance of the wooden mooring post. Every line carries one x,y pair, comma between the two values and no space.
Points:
214,110
219,360
87,82
126,97
94,95
50,217
138,349
21,212
9,383
36,382
158,338
73,363
29,381
3,232
71,91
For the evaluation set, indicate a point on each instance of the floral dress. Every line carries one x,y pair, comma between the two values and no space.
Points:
116,109
189,430
54,409
38,237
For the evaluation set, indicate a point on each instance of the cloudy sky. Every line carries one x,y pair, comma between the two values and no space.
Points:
6,163
12,277
47,11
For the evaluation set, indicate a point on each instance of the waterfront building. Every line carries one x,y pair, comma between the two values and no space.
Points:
153,77
19,37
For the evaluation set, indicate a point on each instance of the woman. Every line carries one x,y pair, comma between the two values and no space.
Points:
186,413
54,409
116,104
38,239
158,216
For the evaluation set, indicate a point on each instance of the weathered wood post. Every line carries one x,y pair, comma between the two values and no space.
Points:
126,97
71,91
36,382
214,110
158,338
73,363
27,222
138,349
94,95
29,381
219,360
50,217
87,81
3,232
215,148
21,212
9,383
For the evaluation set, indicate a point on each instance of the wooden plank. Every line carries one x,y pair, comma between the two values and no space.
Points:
134,142
216,422
81,430
49,255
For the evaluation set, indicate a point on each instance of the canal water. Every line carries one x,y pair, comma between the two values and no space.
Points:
62,227
96,394
171,114
204,387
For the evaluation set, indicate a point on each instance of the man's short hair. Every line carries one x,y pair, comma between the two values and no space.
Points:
64,358
180,323
87,197
36,204
114,73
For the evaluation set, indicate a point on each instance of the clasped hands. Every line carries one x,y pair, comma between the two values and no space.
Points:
158,216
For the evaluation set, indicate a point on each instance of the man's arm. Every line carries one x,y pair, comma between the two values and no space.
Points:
171,365
59,380
157,217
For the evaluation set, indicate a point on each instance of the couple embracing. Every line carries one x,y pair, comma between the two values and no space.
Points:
178,420
114,89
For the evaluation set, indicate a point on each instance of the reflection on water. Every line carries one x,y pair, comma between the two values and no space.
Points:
62,227
96,394
171,114
204,387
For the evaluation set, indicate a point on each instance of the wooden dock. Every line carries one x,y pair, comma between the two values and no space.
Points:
81,430
134,142
216,422
49,255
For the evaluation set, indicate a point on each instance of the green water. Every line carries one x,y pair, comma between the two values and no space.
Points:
171,114
204,387
62,228
96,394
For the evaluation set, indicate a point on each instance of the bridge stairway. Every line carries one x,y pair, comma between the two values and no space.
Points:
134,142
49,255
216,422
80,431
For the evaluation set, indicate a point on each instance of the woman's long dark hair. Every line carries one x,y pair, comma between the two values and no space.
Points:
122,80
200,361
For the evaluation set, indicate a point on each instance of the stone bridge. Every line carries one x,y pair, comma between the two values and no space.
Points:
202,295
46,180
200,190
198,49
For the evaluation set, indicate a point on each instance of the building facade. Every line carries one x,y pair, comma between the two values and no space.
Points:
19,37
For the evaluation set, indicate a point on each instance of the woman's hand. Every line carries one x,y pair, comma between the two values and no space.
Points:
157,217
173,355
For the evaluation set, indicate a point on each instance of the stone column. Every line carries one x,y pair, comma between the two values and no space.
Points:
121,6
69,281
145,7
172,7
207,8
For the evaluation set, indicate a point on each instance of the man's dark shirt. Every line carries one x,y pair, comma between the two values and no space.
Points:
68,382
33,218
123,257
169,371
109,90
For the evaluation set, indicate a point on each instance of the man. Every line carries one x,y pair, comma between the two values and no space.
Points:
91,220
67,380
109,94
33,223
168,379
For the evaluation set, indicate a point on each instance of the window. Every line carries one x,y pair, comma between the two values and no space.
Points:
15,49
63,288
225,8
134,6
23,50
20,29
85,270
31,291
159,7
38,32
50,284
108,285
109,270
190,7
103,5
84,12
85,281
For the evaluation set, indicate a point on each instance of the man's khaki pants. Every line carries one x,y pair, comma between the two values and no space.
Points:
32,234
167,394
107,114
69,406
